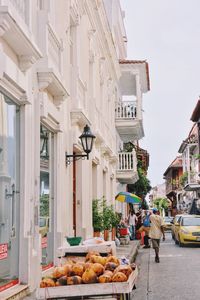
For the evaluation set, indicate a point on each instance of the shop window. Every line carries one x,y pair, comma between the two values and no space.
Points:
9,192
46,197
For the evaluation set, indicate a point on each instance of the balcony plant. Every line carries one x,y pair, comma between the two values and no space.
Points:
183,179
97,216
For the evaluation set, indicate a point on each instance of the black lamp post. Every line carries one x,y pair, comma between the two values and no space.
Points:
87,139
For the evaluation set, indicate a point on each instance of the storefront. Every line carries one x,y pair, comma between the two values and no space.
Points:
9,192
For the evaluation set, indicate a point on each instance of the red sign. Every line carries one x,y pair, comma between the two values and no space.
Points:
44,242
8,285
46,267
3,251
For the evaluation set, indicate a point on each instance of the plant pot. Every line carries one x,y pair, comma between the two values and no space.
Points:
96,234
106,234
113,233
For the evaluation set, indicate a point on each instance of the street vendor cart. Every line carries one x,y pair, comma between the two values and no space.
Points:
117,290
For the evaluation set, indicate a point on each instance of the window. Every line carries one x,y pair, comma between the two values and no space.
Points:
9,192
46,196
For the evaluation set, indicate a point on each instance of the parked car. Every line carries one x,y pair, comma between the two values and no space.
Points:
168,222
44,226
175,225
188,230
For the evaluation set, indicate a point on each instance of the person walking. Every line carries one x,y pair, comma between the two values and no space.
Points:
132,219
156,232
146,226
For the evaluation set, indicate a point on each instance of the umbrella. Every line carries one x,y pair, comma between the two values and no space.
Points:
128,198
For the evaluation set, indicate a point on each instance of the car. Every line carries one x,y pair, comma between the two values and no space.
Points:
188,230
44,226
175,225
168,223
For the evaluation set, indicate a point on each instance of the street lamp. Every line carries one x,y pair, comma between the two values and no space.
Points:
87,139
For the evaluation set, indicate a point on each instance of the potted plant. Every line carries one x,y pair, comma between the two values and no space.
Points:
115,220
107,215
97,217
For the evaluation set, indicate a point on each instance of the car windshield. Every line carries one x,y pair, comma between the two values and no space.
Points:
42,222
168,219
191,222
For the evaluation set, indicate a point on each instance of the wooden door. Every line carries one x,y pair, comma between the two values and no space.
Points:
74,197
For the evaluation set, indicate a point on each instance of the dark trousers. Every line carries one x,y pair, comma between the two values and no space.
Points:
146,240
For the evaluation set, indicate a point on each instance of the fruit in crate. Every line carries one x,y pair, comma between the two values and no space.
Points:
110,266
72,280
91,253
58,272
78,269
62,280
97,268
105,278
126,269
47,282
119,277
89,276
113,259
98,259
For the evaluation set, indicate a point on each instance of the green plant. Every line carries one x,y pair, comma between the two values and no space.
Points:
44,205
183,178
196,156
115,218
142,186
161,204
97,214
107,213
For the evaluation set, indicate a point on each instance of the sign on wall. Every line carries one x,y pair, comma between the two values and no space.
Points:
3,251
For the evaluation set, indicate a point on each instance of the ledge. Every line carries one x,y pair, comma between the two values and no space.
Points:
18,38
15,293
49,81
79,117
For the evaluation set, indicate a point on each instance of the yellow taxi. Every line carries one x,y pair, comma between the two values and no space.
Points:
175,225
188,230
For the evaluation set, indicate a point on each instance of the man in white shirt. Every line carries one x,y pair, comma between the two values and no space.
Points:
156,232
132,219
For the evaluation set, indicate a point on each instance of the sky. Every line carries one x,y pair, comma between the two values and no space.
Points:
167,35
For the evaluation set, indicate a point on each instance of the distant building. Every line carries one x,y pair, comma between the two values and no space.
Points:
159,191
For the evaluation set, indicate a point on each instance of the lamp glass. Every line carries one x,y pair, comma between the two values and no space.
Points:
87,139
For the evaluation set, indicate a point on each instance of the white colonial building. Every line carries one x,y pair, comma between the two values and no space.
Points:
62,66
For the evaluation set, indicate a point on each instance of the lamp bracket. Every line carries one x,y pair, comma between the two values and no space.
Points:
72,157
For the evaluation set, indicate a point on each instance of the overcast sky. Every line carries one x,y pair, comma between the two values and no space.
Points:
167,35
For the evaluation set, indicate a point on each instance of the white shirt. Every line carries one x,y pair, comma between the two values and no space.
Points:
156,224
132,220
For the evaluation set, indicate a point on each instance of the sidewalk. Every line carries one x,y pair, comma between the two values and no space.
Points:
129,251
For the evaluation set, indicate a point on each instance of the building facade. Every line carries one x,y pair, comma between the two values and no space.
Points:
63,65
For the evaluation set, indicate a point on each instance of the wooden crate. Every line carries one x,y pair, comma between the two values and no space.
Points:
94,289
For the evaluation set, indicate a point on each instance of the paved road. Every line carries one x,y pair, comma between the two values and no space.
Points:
176,277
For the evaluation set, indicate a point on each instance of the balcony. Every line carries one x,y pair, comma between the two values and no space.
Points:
15,30
127,167
192,182
172,186
128,125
